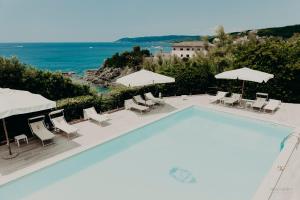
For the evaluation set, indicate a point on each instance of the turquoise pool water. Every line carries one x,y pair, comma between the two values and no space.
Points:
193,154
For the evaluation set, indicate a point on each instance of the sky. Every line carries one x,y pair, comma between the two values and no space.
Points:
109,20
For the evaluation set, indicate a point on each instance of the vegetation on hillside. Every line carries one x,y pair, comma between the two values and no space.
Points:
133,58
284,32
16,75
270,54
165,38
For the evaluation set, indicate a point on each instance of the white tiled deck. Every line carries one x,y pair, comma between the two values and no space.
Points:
287,188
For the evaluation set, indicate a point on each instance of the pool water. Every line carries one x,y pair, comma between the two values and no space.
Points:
193,154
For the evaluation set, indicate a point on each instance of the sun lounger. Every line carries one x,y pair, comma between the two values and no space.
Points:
235,98
130,104
220,95
91,113
272,105
143,102
149,96
259,103
59,122
38,128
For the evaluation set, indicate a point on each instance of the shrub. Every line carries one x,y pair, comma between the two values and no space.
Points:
133,58
54,86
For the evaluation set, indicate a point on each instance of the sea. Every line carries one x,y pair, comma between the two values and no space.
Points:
72,57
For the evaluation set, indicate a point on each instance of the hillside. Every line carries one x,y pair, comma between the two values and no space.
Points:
284,32
167,38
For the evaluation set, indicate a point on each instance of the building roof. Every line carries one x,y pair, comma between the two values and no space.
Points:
191,44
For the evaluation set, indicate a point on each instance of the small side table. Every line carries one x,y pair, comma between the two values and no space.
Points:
19,138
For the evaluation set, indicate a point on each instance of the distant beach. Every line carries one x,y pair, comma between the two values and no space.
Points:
71,57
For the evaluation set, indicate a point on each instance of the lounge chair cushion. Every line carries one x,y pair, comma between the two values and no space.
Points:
39,129
91,113
220,95
130,104
259,103
235,98
99,118
272,105
140,100
61,124
149,96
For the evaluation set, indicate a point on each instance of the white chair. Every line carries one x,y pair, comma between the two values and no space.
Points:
38,128
260,101
234,99
59,122
130,104
272,105
91,114
143,102
220,95
149,96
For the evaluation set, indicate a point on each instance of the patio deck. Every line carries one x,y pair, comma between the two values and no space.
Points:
33,153
123,121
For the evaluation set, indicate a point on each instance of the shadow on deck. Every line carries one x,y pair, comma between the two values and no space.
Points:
33,152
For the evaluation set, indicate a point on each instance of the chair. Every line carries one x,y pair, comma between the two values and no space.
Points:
272,105
38,128
259,103
149,96
91,114
59,122
130,104
220,95
143,102
235,98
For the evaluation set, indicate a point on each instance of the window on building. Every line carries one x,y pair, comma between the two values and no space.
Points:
181,55
174,49
187,49
192,49
199,49
181,49
187,55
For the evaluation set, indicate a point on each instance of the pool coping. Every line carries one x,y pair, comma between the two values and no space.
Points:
263,192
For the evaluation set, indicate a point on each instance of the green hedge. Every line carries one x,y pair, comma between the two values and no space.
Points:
73,107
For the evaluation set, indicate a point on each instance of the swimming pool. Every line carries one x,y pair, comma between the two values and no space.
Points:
195,153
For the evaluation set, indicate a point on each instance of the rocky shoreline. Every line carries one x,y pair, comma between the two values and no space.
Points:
105,77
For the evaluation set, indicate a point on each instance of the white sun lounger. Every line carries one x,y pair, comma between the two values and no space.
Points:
149,96
272,105
259,103
235,98
91,114
220,95
130,104
143,102
38,128
59,122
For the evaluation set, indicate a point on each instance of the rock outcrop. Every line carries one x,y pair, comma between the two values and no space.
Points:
106,76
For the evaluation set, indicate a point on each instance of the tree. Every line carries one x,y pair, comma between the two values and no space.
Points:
205,40
222,38
132,59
